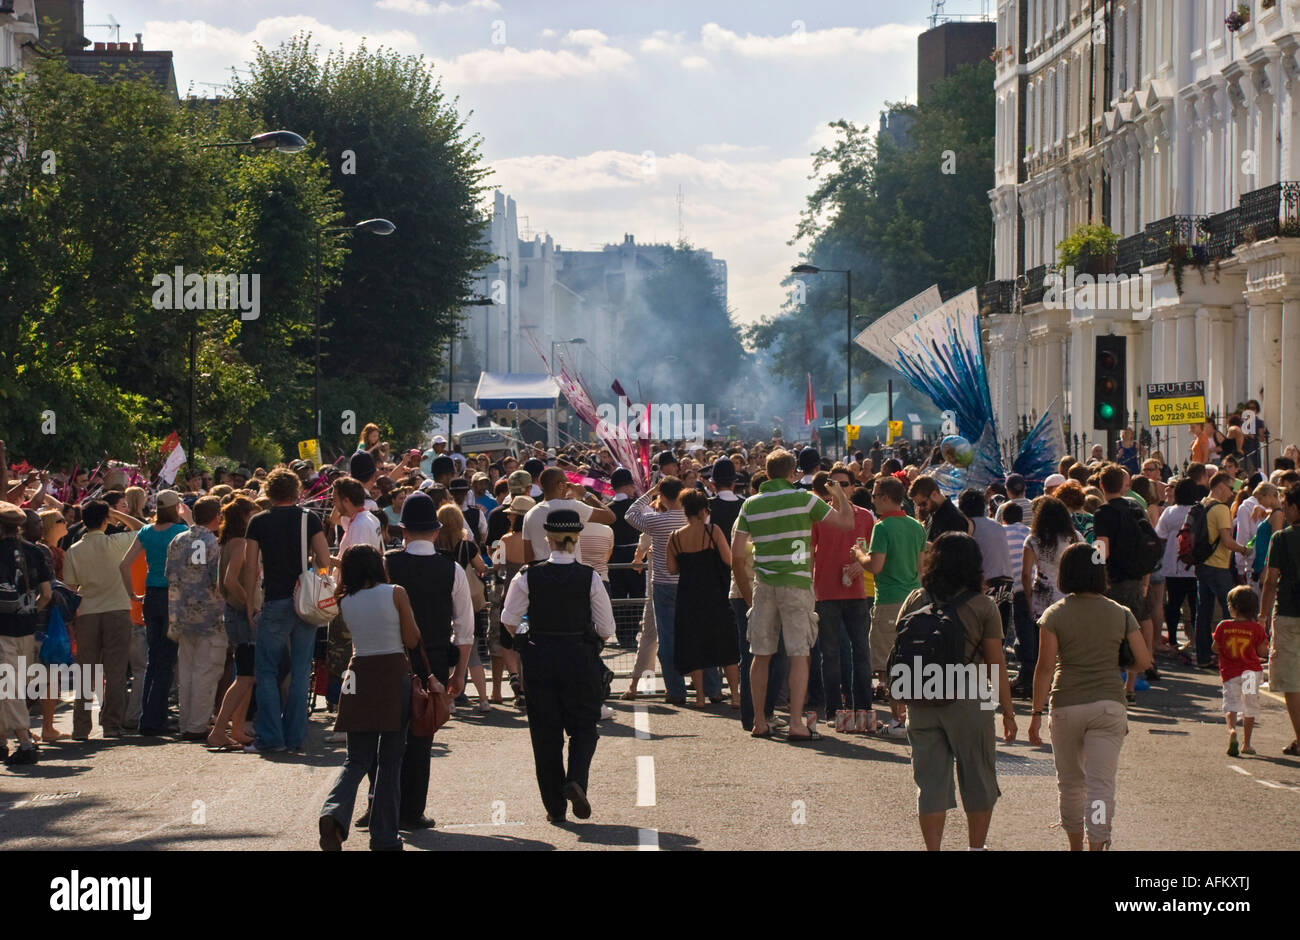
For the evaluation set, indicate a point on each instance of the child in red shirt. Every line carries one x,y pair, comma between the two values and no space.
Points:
1240,642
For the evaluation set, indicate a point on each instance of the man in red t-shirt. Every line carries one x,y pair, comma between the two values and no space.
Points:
1240,642
841,604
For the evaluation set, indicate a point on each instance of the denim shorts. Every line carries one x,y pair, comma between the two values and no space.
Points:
240,635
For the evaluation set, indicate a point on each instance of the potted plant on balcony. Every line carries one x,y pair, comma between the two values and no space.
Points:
1090,249
1237,18
1267,4
1182,254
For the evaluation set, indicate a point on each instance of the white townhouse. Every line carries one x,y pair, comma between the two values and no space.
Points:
1180,131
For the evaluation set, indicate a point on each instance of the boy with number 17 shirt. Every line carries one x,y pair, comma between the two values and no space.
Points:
1240,642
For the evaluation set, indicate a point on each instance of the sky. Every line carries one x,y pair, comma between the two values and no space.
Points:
594,114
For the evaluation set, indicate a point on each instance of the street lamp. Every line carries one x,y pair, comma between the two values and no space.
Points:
551,429
374,227
451,351
284,142
848,327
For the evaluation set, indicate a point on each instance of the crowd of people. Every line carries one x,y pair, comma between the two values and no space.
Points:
762,579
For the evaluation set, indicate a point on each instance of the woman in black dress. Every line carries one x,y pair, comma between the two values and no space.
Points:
705,627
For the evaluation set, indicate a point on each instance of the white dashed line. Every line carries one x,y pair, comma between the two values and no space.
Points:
647,840
645,781
1271,784
1240,770
641,722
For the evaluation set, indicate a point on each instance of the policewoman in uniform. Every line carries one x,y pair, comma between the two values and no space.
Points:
569,617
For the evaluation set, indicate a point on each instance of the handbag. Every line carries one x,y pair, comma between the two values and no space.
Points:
56,650
313,592
430,709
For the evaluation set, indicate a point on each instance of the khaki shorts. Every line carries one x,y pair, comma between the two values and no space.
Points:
1284,667
884,629
778,612
960,733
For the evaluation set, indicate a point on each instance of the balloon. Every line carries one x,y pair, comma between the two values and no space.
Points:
956,450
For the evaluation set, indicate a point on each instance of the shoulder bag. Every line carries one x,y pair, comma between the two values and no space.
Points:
430,709
313,593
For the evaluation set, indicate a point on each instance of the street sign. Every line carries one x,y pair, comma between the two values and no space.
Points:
1174,403
310,451
895,431
851,432
444,407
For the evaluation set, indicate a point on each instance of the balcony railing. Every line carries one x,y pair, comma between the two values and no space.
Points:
1174,229
1128,253
1271,211
1035,288
1223,233
996,296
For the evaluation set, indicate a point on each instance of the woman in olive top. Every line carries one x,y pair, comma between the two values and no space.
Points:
960,731
1079,644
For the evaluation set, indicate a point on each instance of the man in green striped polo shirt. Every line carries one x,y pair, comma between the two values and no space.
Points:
778,521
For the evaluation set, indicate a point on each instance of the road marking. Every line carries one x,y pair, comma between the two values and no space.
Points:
641,722
1272,785
486,825
645,781
647,840
1240,770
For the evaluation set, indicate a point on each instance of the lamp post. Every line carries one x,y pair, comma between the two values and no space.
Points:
848,328
283,142
451,352
552,434
374,227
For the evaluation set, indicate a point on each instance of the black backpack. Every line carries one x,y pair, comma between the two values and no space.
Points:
1150,548
1196,547
13,566
935,635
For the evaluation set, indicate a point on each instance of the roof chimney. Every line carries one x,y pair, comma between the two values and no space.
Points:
99,47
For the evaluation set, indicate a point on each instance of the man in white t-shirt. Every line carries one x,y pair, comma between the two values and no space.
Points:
360,526
558,493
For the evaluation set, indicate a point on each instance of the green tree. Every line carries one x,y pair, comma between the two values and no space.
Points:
900,217
397,148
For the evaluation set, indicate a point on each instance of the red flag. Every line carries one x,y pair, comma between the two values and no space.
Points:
170,442
809,404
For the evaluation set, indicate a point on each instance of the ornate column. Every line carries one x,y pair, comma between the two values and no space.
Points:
1288,427
1271,400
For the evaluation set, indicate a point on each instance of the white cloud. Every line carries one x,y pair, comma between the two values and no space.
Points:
547,33
695,62
586,37
819,44
491,66
211,49
724,148
425,8
663,41
616,169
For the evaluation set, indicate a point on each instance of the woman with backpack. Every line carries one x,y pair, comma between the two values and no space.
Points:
1180,579
1081,648
1051,533
451,542
957,730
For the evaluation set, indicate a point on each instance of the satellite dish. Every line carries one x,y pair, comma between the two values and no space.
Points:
511,406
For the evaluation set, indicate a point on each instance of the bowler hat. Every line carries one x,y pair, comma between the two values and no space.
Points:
419,513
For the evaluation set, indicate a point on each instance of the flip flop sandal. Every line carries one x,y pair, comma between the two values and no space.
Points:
1292,749
763,734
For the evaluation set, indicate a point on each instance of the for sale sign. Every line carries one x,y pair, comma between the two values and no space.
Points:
1171,403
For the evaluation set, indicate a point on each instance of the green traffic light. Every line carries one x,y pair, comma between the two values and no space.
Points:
1106,411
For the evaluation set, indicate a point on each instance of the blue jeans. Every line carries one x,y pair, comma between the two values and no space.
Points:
162,662
836,621
1212,584
282,723
1026,638
665,599
778,668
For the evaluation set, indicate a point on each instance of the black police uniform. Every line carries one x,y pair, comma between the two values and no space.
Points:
561,667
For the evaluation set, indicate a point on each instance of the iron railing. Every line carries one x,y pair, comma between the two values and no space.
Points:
1223,232
1035,288
1128,254
1171,230
996,296
1271,211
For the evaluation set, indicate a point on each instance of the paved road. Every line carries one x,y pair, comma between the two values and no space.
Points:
690,779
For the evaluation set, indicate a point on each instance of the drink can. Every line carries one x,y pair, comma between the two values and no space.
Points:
810,719
842,720
862,720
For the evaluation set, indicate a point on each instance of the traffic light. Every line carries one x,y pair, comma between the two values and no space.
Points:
1109,397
